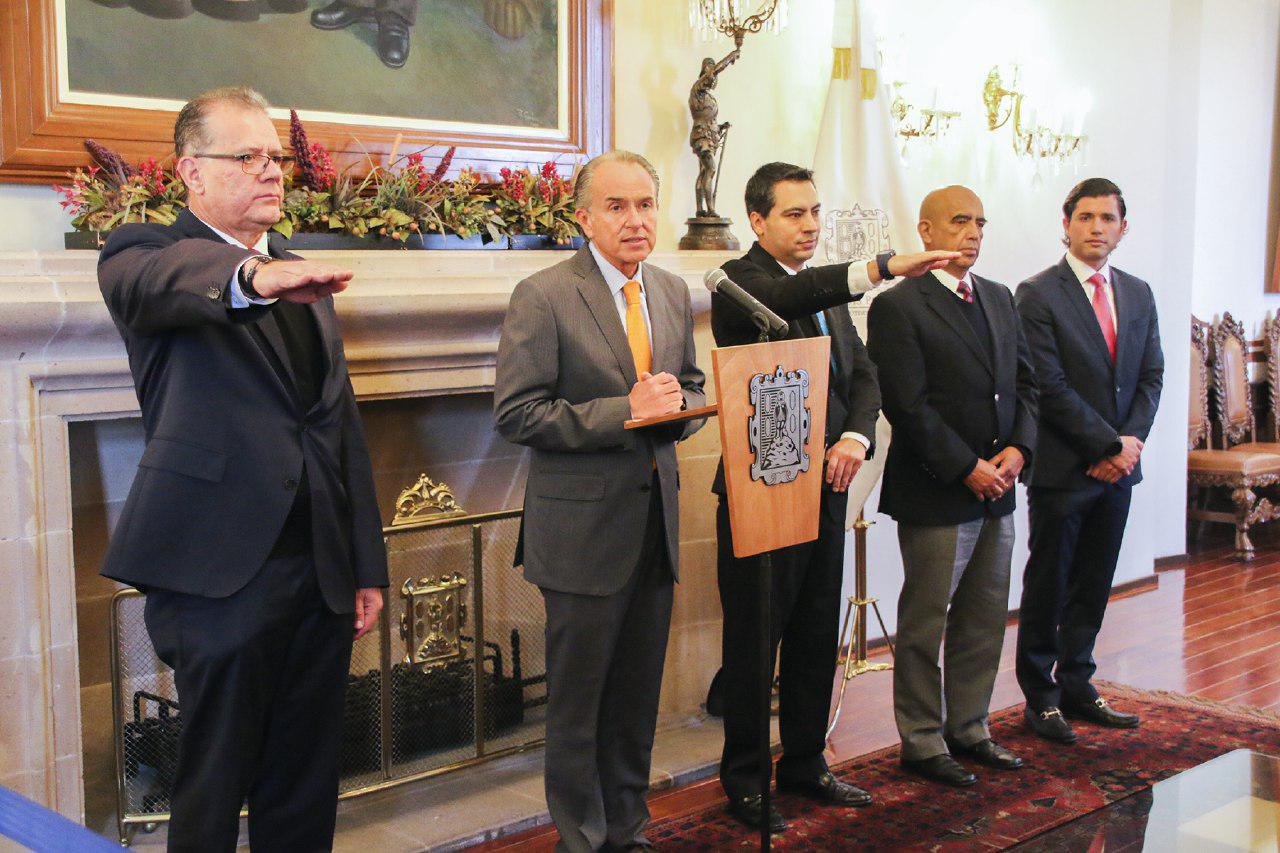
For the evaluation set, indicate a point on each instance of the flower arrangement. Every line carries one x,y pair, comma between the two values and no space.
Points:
111,192
396,201
537,203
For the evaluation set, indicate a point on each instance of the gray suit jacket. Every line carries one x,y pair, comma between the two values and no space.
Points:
564,372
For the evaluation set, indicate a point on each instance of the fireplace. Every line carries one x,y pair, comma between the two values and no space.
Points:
421,332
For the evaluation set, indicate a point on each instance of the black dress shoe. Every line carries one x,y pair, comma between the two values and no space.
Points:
826,789
747,810
1049,724
987,753
393,39
338,16
941,768
1101,713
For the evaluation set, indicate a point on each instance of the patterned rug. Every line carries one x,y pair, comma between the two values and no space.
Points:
1058,784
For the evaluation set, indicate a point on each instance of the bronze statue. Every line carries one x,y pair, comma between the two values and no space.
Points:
707,137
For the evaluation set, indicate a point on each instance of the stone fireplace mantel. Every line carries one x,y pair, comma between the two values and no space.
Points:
414,323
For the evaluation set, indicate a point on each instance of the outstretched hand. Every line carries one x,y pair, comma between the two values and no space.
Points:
919,263
299,281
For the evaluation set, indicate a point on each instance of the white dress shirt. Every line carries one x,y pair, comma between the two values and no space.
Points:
614,278
238,297
858,283
1084,272
952,283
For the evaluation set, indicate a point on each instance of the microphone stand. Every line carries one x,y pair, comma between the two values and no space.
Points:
764,577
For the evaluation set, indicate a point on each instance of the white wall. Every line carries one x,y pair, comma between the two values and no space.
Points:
1236,178
30,218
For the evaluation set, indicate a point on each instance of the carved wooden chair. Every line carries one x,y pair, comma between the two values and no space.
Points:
1239,470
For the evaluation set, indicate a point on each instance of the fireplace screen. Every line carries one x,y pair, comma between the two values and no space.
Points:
454,675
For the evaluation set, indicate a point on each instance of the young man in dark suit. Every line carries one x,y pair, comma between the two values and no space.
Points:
960,395
783,208
1095,343
252,524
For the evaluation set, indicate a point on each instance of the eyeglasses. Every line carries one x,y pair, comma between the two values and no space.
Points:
255,164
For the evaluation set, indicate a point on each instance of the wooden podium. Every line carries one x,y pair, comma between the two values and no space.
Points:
773,419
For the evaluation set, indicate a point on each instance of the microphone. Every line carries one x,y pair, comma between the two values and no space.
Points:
766,321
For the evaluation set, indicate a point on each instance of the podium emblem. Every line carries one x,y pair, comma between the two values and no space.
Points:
779,430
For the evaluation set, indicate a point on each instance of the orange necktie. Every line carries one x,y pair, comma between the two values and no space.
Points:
637,331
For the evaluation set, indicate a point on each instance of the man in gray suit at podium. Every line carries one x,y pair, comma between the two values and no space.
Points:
588,344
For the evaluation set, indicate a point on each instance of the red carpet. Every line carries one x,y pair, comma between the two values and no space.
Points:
1058,784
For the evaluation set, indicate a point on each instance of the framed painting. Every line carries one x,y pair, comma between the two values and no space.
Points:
508,82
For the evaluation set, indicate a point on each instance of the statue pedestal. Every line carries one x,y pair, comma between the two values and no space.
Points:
709,232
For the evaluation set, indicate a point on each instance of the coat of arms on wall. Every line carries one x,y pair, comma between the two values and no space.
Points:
855,233
779,430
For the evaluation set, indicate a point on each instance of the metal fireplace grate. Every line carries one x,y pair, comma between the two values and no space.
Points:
462,683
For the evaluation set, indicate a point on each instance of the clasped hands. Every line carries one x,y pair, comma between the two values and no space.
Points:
1111,468
990,479
654,395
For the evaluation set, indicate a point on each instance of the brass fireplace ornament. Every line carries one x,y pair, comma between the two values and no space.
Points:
425,499
434,613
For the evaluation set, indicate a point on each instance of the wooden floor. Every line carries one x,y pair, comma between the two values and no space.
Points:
1211,627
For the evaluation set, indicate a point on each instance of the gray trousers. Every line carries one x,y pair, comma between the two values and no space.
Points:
605,656
955,591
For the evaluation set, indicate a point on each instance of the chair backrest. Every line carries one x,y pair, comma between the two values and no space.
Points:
1271,350
1198,416
1231,391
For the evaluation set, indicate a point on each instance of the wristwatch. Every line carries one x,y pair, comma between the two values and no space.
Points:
248,270
882,264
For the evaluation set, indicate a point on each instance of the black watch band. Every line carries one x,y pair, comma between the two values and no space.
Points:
248,270
882,264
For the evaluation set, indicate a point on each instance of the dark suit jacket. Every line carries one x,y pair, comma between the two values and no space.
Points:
853,394
226,434
564,372
1086,402
948,401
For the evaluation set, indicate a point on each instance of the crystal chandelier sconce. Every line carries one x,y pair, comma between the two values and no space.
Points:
710,18
1007,105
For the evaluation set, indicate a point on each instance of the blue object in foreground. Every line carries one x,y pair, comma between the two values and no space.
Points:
36,828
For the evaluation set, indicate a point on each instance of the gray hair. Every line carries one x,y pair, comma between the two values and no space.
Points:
582,184
190,131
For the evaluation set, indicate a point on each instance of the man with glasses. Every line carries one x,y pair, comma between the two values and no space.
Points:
252,525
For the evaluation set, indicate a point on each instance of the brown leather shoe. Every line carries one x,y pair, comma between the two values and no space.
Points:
940,768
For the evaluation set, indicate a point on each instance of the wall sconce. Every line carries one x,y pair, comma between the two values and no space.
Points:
1029,139
912,122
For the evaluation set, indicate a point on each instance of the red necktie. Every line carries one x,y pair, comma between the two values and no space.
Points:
965,292
1102,310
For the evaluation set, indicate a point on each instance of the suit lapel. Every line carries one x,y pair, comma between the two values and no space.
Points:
1074,293
1127,307
595,292
662,325
947,306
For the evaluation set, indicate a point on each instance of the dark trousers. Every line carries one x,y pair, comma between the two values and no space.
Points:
1075,541
261,677
605,655
805,611
407,9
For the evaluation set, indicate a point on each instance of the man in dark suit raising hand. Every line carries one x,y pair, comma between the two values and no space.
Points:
252,524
